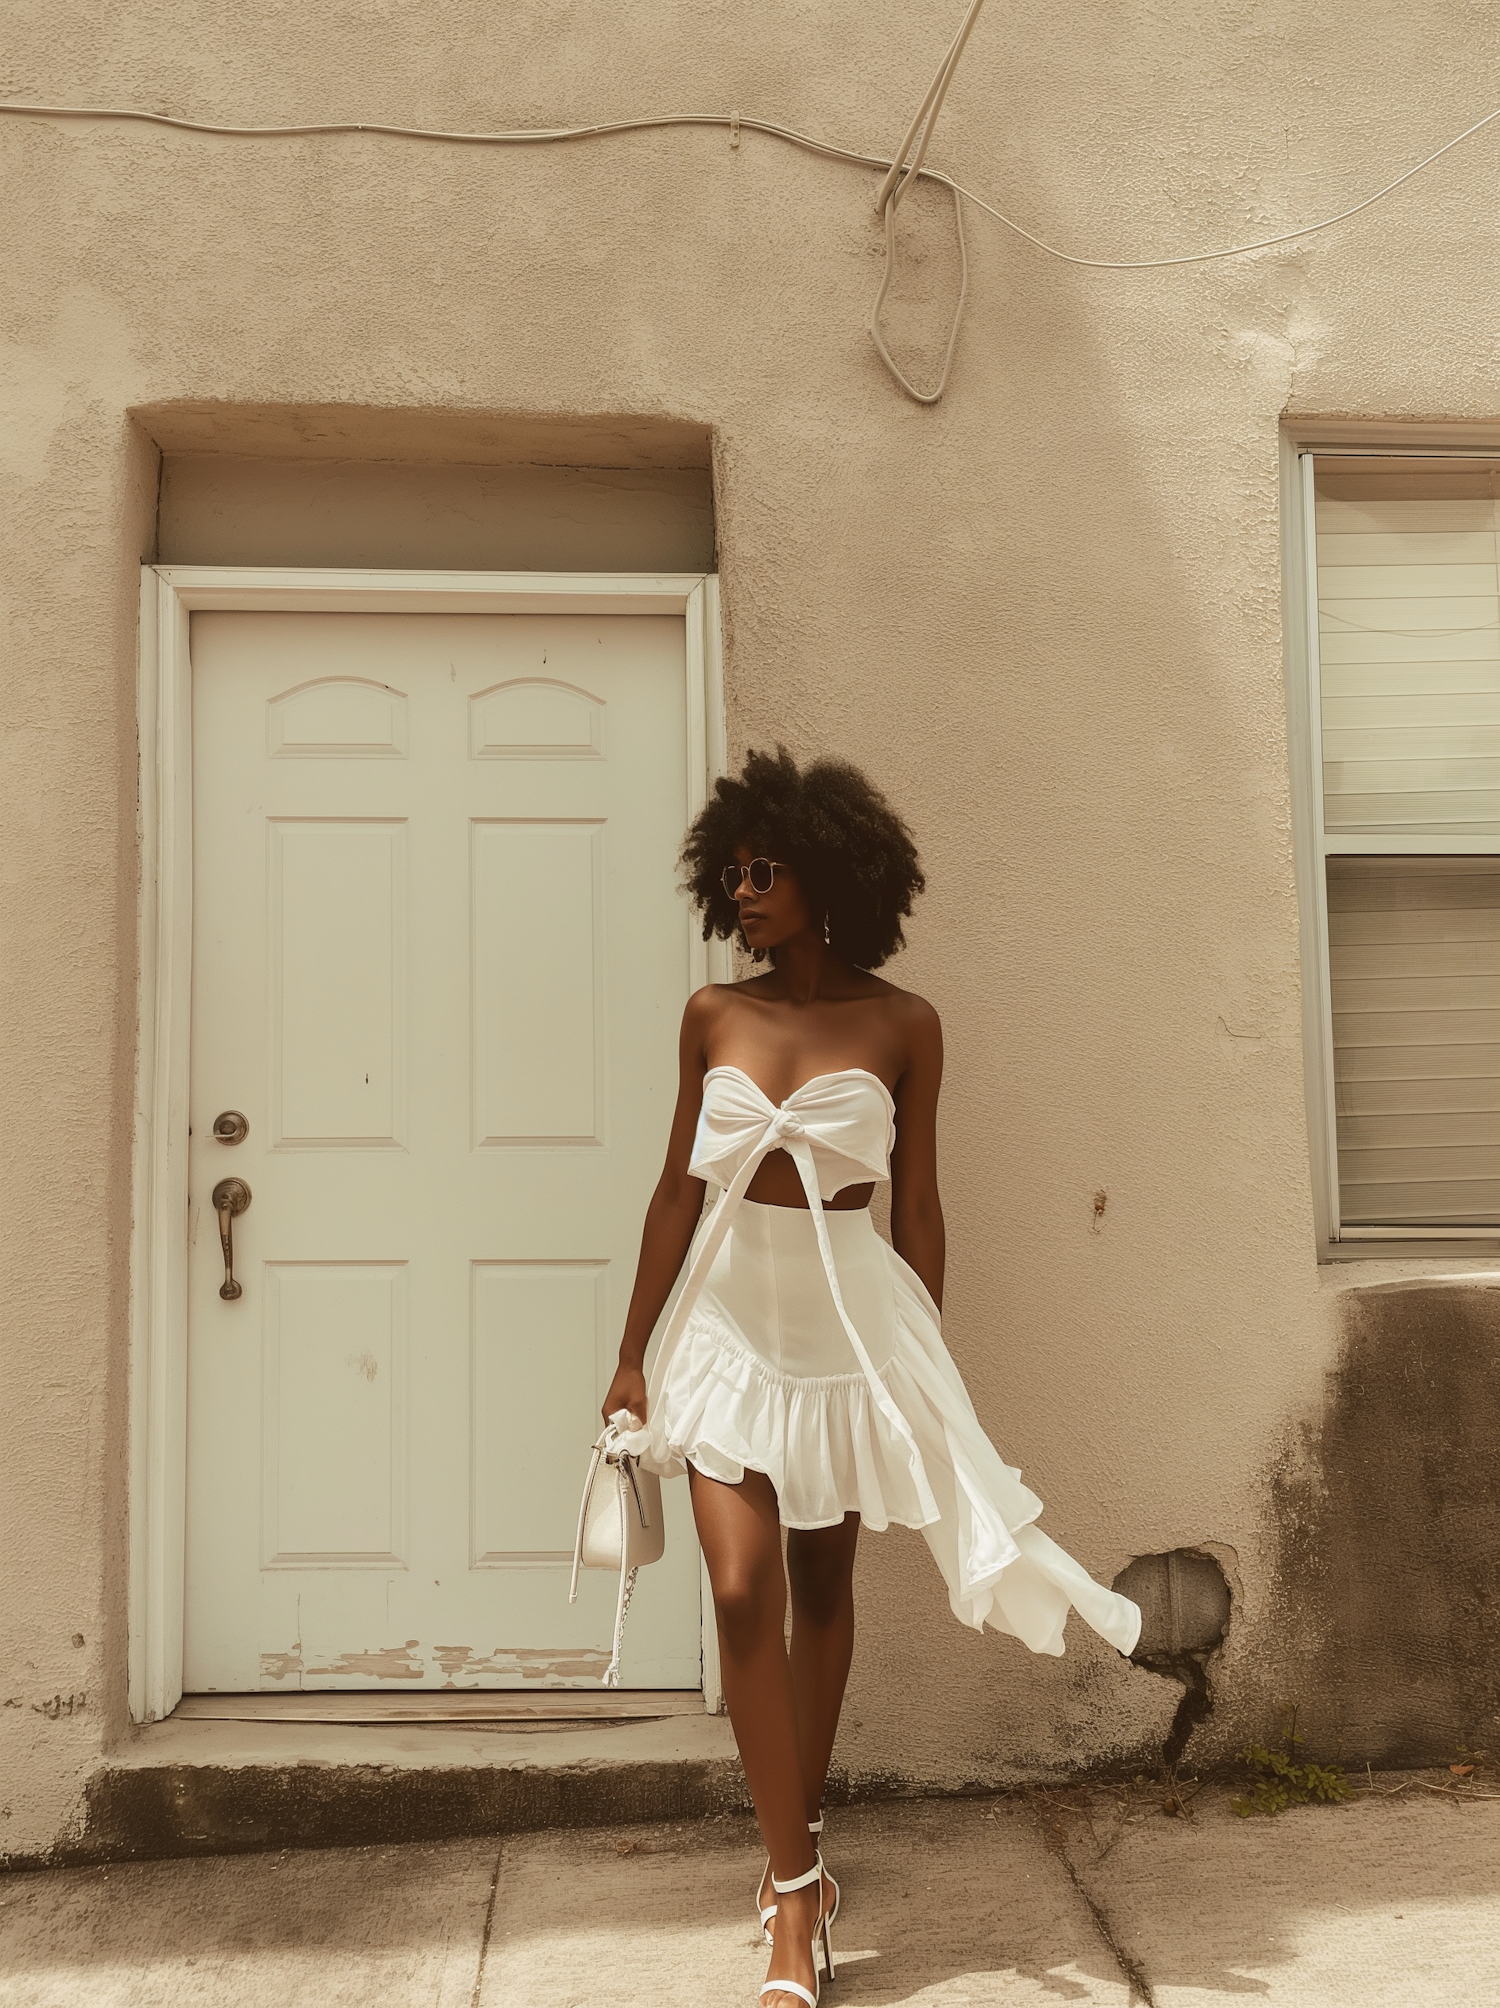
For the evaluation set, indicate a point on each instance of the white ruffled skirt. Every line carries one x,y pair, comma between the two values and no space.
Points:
763,1379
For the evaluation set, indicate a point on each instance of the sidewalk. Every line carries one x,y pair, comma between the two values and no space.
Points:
1089,1897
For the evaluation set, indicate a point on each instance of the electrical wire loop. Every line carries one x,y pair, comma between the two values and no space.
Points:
921,396
899,177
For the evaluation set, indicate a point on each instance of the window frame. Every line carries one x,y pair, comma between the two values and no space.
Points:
1312,846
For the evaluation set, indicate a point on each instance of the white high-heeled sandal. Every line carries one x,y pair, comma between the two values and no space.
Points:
768,1910
815,1828
825,1920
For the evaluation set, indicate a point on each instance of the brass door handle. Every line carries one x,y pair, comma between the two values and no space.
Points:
231,1196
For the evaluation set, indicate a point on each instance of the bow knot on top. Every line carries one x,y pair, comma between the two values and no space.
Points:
844,1123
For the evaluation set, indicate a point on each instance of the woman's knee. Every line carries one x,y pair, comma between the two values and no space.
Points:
748,1601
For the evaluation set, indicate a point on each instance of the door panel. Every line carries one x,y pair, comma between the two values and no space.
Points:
538,982
335,1415
338,982
439,960
518,1511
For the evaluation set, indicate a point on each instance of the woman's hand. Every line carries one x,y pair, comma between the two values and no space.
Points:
626,1390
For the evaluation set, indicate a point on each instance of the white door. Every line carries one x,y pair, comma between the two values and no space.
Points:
439,960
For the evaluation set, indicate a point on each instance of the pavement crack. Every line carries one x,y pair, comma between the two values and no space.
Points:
489,1925
1131,1970
1138,1987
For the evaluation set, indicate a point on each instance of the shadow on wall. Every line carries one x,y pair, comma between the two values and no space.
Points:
1388,1530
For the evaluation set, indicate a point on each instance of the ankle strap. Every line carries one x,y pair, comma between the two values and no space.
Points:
813,1875
815,1826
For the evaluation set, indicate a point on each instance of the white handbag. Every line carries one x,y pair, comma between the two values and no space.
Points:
619,1523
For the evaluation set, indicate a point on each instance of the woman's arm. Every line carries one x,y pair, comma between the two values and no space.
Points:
916,1210
671,1218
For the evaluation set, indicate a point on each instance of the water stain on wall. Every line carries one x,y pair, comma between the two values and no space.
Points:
1388,1531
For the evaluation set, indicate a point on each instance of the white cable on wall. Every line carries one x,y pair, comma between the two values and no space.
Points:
898,174
894,186
899,177
1233,250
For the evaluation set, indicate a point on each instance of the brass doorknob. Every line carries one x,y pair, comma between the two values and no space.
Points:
230,1197
231,1127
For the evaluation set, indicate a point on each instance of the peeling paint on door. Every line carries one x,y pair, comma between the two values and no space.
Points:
392,1662
461,1664
445,1665
453,1660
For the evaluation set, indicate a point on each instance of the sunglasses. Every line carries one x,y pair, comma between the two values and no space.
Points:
760,873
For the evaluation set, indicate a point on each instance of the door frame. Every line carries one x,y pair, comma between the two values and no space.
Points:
170,595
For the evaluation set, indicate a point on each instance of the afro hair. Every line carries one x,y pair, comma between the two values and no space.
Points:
852,853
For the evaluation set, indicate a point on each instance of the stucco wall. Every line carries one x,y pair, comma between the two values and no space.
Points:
1045,613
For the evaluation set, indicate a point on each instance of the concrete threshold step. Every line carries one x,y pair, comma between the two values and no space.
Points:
190,1786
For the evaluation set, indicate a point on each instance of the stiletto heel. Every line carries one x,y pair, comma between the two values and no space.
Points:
767,1911
820,1930
815,1828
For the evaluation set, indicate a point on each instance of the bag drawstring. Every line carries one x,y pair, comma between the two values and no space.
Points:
583,1510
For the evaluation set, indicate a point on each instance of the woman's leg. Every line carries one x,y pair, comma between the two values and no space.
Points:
740,1530
820,1563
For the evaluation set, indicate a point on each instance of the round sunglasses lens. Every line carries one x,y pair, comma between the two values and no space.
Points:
729,878
762,875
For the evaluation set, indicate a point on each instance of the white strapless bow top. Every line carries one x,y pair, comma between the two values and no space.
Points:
838,1130
848,1121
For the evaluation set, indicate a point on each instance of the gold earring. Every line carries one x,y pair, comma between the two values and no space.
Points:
825,931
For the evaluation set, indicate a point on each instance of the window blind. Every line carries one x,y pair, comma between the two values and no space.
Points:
1409,647
1414,953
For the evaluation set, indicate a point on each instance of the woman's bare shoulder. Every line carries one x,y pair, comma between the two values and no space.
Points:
916,1024
907,1008
707,1008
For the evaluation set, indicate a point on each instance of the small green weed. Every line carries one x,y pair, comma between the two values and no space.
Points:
1279,1778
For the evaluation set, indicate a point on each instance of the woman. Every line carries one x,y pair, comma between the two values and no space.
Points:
801,1379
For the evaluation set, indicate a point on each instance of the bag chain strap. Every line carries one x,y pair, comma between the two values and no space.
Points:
612,1674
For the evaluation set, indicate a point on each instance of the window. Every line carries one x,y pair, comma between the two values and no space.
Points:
1400,742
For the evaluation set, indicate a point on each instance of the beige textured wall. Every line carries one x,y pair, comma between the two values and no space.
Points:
1045,614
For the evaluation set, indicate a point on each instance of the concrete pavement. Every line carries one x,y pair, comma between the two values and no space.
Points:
1087,1896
